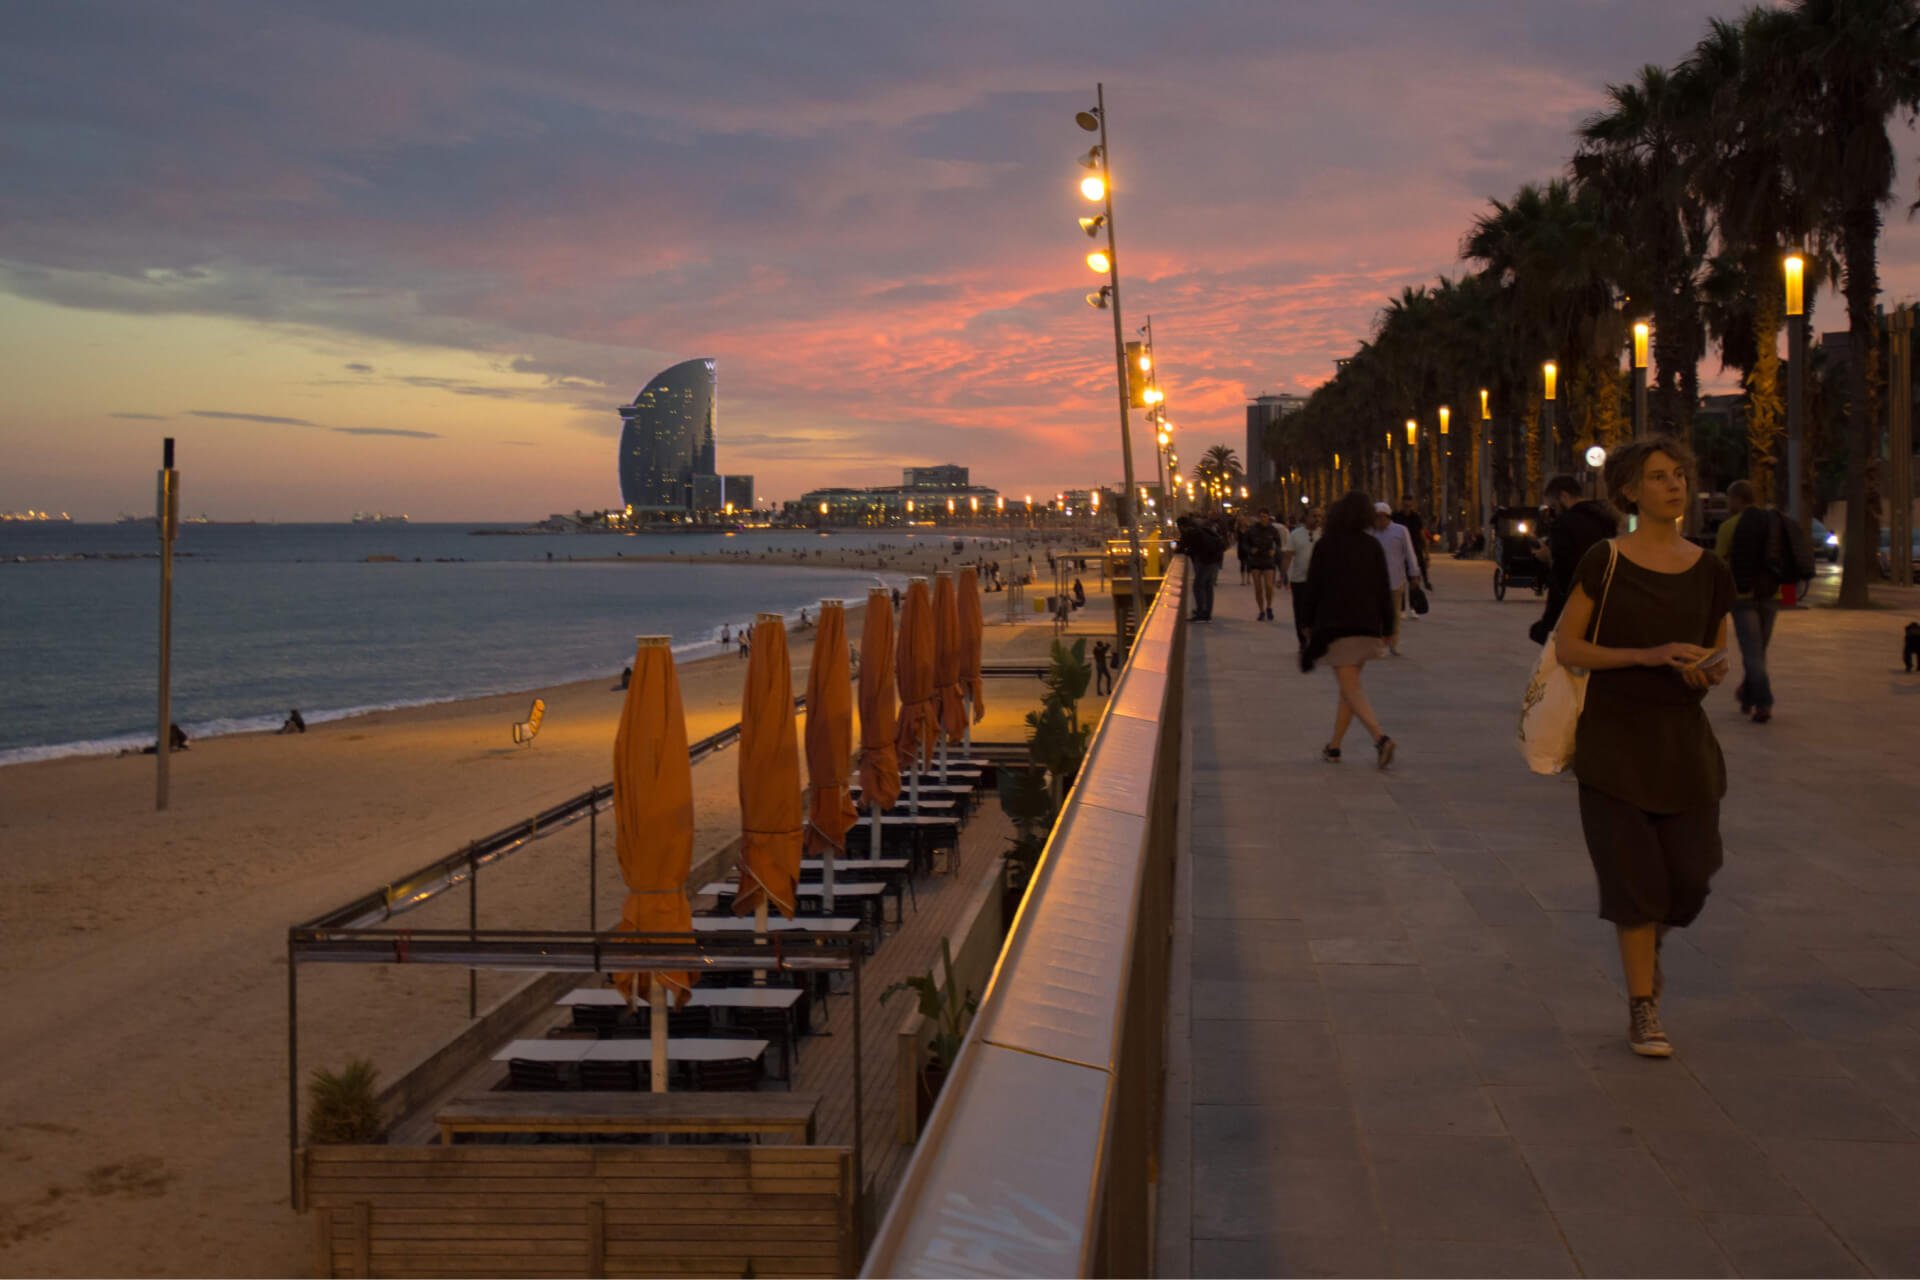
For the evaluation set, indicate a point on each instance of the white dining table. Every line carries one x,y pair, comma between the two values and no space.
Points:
679,1049
702,997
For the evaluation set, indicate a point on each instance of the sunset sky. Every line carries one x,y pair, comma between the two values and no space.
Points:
410,257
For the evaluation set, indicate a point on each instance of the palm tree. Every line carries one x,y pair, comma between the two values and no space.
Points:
1639,159
1841,68
1218,465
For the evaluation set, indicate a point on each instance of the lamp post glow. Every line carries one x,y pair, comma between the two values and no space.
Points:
1550,445
1485,471
1795,267
1446,474
1096,187
1641,332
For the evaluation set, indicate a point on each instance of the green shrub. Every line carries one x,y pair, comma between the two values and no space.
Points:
344,1107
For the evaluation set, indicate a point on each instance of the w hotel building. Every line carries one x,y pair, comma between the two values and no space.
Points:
669,447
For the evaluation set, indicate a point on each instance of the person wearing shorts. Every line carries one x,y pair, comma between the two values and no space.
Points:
1260,553
1349,608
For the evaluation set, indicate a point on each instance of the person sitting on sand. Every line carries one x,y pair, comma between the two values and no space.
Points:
626,676
804,622
294,723
176,739
726,633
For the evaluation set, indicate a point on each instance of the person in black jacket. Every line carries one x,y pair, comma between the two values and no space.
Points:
1205,551
1349,606
1575,529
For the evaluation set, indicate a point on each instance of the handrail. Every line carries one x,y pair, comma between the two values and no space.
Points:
1039,1155
453,870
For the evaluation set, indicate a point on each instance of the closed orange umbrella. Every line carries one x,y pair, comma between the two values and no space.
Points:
913,676
653,809
829,741
972,639
879,757
950,711
770,819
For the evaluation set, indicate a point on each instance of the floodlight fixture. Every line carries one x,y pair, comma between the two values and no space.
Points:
1088,120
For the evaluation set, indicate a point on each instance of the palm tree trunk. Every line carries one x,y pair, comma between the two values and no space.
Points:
1860,235
1764,404
1533,451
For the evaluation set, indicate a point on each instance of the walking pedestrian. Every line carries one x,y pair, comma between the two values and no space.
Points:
1403,565
1348,604
1205,552
1410,519
1651,772
1576,525
1260,555
1299,558
1760,554
1102,678
1239,532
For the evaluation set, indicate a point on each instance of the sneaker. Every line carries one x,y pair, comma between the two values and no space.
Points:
1383,749
1644,1033
1330,754
1762,714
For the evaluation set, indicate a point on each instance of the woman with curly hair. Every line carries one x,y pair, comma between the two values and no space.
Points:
1648,616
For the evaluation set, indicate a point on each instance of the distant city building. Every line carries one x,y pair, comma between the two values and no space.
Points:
945,476
907,503
737,492
669,446
1262,412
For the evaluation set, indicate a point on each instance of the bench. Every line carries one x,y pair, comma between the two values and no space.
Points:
782,1114
523,731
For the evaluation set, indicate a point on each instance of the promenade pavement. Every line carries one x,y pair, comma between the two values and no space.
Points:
1398,1036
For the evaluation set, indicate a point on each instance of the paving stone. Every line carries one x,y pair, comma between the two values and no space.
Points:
1247,1137
1808,1107
1361,950
1573,1113
1244,1062
1293,1255
1526,1055
1723,1173
1286,1195
1618,1180
1264,998
1610,1244
1664,1102
1400,1012
1854,1183
1425,1106
1769,1245
1457,1188
1469,1258
1276,950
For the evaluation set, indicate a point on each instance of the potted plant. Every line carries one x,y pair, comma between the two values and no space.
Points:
1056,748
344,1107
946,1007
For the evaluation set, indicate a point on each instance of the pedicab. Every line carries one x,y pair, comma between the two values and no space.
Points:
1516,538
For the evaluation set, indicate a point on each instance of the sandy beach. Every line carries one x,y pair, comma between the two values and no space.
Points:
142,1121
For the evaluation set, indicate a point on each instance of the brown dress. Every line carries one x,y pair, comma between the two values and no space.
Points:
1650,769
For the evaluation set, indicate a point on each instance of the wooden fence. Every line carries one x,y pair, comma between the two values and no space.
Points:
581,1210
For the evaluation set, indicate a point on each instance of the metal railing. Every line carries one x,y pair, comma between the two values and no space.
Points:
1041,1155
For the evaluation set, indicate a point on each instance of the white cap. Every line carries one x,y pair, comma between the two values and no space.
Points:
1383,508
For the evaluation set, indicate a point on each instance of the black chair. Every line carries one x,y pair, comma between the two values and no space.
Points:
525,1073
610,1077
597,1018
739,1075
772,1026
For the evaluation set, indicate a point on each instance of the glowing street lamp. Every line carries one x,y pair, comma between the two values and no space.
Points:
1093,188
1413,432
1796,268
1446,471
1485,473
1641,332
1100,261
1549,384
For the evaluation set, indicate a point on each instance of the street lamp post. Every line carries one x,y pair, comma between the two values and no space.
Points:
1484,481
1795,267
1097,121
1549,438
1640,336
1411,476
1446,476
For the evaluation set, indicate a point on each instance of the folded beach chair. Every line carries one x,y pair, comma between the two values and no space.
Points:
523,732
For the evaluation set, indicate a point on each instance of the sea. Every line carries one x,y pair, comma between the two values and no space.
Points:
338,620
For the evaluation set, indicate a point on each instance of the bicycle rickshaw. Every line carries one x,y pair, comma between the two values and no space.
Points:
1516,536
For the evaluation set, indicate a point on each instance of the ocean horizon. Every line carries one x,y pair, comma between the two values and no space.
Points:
341,619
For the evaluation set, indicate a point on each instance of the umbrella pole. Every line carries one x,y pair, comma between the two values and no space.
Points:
966,729
760,936
826,879
657,1030
913,783
873,831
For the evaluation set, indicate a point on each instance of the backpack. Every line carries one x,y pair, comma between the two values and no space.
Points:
1761,556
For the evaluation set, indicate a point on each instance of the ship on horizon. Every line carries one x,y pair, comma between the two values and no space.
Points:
378,517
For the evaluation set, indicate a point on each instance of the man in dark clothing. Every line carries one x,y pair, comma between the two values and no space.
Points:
1206,551
1409,515
1755,543
1102,678
1575,527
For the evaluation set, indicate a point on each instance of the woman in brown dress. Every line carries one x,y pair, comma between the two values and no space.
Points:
1650,770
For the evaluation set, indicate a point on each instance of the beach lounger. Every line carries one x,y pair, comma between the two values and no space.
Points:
523,732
